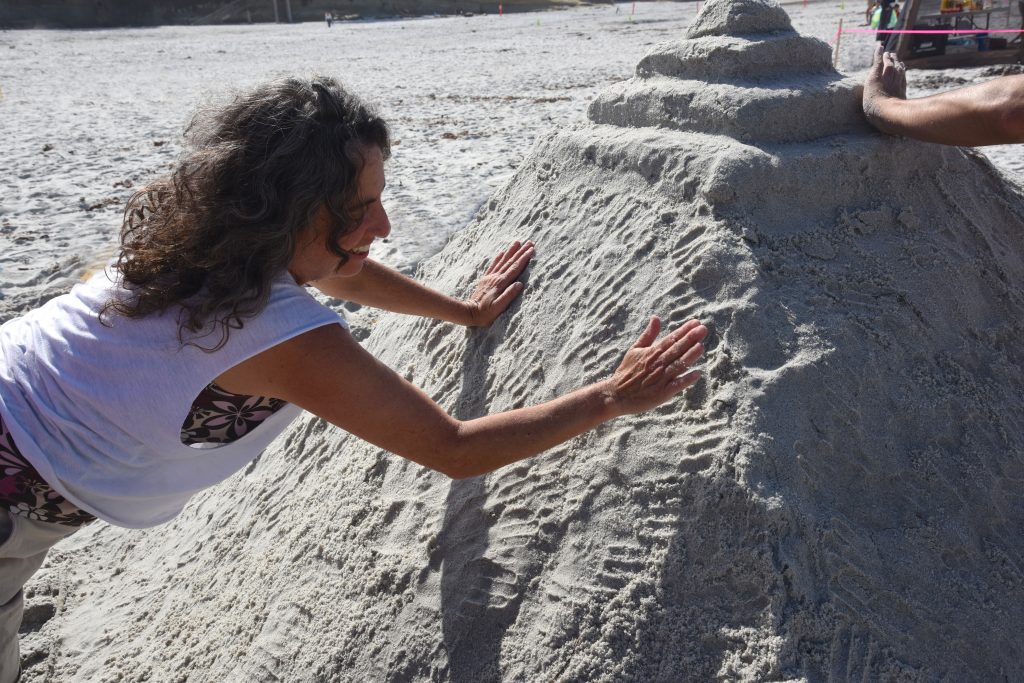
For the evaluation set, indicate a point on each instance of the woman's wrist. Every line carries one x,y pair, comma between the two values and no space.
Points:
471,313
609,405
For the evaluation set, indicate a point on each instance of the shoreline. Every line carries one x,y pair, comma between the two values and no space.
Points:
77,16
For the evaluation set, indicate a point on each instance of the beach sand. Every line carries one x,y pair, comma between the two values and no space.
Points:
834,502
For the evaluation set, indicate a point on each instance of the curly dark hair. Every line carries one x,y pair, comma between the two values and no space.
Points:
213,235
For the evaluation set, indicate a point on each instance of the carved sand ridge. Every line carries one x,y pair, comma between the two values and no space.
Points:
838,499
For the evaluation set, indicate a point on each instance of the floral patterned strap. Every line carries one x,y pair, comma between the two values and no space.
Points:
218,416
23,491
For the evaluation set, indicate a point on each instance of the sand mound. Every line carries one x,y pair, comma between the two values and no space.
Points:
838,499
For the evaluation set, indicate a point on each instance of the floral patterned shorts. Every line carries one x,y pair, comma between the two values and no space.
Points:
23,491
217,417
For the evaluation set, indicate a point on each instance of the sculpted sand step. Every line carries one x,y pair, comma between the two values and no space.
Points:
740,58
791,109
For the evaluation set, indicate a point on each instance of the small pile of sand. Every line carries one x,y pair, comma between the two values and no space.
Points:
838,499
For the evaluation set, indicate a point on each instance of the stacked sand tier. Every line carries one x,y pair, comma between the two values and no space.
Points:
744,73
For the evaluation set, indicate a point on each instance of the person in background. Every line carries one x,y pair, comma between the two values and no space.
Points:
990,113
884,16
178,365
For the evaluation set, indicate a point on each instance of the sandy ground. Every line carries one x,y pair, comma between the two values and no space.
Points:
90,115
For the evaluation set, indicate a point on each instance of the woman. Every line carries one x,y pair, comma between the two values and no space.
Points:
203,337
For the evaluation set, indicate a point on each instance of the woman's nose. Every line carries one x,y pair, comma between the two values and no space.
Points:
383,224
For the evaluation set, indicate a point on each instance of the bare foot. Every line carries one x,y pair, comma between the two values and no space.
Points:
887,80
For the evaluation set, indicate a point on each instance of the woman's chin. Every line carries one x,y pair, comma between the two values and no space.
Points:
351,267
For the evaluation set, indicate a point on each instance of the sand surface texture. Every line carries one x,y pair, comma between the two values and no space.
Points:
838,499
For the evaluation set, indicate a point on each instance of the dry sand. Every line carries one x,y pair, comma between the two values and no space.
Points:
839,499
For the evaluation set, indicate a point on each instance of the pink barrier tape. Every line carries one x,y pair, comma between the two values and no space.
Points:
953,30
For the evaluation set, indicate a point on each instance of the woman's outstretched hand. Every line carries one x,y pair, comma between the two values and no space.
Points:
499,287
652,371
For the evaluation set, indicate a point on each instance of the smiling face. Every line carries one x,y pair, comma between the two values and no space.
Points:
314,261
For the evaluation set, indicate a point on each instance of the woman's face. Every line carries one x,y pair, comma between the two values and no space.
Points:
314,261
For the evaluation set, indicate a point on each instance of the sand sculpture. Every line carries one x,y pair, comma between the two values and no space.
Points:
839,499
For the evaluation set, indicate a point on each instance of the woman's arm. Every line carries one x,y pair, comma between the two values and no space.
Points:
382,287
990,113
326,372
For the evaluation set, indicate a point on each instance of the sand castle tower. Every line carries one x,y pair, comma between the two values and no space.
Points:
839,498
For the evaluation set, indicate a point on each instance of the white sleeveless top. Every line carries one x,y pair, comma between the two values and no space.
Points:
97,408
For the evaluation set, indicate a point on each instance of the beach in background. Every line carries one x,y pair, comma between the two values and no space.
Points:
90,116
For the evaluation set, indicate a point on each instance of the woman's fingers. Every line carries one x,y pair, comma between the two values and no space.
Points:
676,335
503,256
681,345
648,336
685,360
683,381
672,345
669,356
500,259
498,286
516,263
653,377
495,262
512,260
510,293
